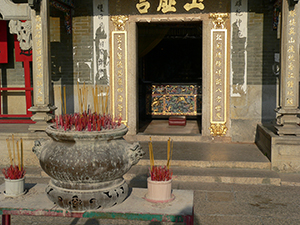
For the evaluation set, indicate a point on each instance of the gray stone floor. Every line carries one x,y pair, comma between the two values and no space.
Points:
214,203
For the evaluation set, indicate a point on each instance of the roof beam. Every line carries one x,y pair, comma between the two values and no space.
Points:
13,11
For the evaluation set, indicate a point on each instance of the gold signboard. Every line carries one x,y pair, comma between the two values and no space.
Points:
119,69
292,61
39,60
218,98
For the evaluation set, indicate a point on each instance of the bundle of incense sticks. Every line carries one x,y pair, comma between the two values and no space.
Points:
20,152
99,98
82,94
159,173
169,153
87,121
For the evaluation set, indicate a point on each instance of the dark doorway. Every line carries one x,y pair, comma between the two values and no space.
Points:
169,61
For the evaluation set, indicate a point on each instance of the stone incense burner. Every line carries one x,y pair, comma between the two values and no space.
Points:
87,168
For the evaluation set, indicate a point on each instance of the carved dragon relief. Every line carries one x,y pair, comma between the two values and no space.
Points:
218,19
23,31
119,22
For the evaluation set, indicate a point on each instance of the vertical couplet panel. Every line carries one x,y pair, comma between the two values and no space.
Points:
119,75
218,89
218,76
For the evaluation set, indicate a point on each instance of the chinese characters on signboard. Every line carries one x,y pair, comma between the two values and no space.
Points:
218,78
239,40
39,61
291,56
166,6
218,89
101,42
120,74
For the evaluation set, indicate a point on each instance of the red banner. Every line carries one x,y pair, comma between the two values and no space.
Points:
3,42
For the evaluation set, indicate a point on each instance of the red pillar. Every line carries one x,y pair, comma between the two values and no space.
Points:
5,219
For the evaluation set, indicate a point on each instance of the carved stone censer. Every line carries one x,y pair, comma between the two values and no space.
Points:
87,168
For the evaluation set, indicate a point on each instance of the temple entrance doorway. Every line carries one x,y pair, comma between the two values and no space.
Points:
170,78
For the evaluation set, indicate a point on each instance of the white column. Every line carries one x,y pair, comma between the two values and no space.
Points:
288,111
41,67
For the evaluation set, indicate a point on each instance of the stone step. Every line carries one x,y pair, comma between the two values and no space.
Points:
138,174
176,138
208,155
290,179
211,164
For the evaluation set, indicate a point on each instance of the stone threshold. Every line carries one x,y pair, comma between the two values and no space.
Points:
211,164
211,175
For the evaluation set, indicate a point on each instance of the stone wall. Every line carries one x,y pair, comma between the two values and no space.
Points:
83,40
61,49
255,103
73,56
71,53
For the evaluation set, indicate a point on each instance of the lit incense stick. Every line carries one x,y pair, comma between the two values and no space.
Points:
14,155
22,154
106,99
9,150
79,97
61,100
168,154
65,100
97,100
81,102
102,101
151,156
84,93
171,151
18,154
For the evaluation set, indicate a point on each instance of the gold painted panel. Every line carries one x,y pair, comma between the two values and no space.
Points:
218,98
119,75
291,69
40,93
173,99
218,75
143,7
